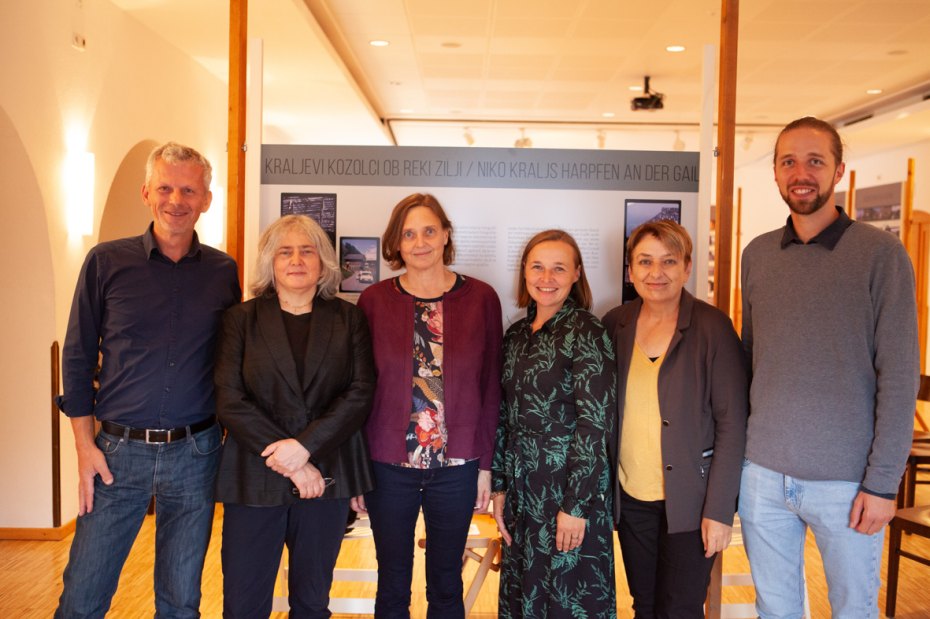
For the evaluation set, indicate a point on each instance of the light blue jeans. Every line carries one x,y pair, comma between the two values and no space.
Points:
775,511
181,476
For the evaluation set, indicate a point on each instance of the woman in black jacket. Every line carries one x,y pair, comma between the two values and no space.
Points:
294,383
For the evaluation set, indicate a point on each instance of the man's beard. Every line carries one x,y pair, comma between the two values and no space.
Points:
808,206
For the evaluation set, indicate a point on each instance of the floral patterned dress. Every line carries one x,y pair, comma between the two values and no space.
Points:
559,389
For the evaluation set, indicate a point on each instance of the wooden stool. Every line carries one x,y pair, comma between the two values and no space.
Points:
915,520
490,560
352,606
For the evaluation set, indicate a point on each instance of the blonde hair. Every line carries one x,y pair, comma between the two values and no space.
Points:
670,233
330,274
581,291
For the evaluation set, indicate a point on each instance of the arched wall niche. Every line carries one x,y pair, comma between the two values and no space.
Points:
124,214
27,331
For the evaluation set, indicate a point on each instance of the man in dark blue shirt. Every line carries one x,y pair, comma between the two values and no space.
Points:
143,327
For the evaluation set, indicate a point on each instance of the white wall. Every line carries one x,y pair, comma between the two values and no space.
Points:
129,85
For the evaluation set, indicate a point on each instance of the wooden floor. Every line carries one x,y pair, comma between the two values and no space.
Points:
30,578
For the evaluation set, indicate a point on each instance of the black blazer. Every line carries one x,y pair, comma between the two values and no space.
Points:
704,402
260,399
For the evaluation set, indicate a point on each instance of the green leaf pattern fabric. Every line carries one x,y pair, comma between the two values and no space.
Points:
559,398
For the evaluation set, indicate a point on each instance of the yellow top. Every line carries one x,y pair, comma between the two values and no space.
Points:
640,471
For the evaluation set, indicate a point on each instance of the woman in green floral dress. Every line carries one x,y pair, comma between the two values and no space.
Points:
550,473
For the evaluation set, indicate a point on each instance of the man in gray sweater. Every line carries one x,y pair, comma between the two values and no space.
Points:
830,328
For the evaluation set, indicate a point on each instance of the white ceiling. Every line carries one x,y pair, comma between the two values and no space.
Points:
555,67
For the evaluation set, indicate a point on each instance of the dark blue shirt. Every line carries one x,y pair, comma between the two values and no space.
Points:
152,324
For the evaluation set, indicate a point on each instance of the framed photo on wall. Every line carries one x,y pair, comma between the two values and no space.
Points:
360,261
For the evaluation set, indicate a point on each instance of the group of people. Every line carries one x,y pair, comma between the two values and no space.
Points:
414,400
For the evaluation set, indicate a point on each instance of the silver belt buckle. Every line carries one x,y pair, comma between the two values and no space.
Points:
151,442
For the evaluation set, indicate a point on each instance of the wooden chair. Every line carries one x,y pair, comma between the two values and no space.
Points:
914,520
714,608
918,461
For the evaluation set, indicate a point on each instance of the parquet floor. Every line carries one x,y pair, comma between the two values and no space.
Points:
30,578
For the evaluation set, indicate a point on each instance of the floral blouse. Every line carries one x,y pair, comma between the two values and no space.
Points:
427,435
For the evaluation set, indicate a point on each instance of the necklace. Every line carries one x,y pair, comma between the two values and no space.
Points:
291,306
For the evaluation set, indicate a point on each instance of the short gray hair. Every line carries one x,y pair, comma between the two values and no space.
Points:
174,153
330,275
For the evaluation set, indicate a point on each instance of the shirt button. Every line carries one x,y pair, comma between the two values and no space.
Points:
665,422
668,467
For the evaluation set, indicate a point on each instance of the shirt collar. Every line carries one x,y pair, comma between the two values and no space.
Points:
828,237
151,245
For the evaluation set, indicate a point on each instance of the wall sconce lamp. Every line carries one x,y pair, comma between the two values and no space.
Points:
523,141
469,138
79,193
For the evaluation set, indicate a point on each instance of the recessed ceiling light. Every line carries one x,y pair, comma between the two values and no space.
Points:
608,114
406,110
635,88
675,48
379,43
873,91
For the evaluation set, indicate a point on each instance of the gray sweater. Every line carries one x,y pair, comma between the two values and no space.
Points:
831,336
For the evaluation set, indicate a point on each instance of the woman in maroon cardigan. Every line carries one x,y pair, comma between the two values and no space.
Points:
436,336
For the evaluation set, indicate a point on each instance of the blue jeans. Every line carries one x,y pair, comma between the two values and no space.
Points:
253,538
181,476
775,511
447,497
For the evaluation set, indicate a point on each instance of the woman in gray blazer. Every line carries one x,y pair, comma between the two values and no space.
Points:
682,401
294,384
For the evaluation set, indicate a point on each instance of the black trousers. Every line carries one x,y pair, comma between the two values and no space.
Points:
253,539
667,573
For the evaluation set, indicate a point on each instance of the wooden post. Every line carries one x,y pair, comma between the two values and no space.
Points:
56,436
907,200
235,140
737,293
851,196
726,139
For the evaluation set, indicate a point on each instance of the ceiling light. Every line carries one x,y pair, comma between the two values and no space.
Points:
608,115
469,138
635,88
405,110
675,48
379,43
873,91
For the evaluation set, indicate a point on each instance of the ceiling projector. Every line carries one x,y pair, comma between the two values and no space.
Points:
649,101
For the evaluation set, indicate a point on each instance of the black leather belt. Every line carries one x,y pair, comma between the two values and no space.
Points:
157,435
